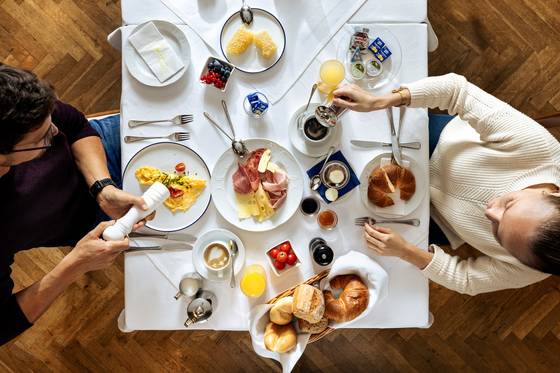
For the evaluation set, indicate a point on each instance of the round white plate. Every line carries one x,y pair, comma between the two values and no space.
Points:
410,205
224,195
165,155
305,147
251,61
209,237
140,69
391,66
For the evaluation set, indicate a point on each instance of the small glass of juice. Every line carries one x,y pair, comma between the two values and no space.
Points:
253,281
331,74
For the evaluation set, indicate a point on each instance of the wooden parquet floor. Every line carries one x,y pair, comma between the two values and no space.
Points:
510,48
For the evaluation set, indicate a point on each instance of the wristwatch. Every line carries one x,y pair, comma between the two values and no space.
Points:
98,186
400,92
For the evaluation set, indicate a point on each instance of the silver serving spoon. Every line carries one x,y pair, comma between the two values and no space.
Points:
238,151
238,146
315,181
233,250
313,89
246,14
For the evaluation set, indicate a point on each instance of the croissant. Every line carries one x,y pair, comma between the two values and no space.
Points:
352,301
384,180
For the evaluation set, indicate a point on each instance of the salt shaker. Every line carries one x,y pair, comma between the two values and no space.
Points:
154,196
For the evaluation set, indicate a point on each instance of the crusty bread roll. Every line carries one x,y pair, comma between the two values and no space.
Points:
387,179
308,303
307,327
280,338
352,301
281,313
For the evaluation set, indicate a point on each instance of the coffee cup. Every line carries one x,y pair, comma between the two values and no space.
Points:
216,257
313,132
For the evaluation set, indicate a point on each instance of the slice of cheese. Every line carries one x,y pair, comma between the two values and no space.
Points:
246,205
265,208
263,163
273,167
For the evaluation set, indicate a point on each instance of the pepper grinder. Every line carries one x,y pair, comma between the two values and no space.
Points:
154,196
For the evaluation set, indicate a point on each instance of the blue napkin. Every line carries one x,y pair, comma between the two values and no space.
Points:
352,183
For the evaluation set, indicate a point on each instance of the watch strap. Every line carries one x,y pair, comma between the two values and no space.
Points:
98,186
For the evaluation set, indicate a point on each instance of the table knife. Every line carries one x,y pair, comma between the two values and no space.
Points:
183,237
373,144
394,142
172,246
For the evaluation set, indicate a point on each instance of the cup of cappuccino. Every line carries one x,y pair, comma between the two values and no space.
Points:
216,257
313,131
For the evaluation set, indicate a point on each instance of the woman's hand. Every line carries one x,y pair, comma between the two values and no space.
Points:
355,98
386,242
92,253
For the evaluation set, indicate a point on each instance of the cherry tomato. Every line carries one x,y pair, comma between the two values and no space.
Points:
282,257
175,192
180,167
279,265
273,253
292,259
285,247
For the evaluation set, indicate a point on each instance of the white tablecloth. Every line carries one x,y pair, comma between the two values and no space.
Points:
406,11
149,303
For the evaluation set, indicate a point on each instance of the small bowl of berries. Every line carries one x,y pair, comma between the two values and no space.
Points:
282,258
217,73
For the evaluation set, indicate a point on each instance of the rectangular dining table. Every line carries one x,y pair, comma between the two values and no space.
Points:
149,290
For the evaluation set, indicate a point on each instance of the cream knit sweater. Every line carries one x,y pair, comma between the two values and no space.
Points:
488,150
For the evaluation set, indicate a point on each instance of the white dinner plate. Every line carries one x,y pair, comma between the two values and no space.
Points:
165,155
305,147
140,69
223,194
212,236
391,66
251,61
406,208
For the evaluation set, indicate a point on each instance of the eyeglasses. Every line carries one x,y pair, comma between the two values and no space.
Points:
47,140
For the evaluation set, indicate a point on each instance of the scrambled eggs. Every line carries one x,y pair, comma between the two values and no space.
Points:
184,189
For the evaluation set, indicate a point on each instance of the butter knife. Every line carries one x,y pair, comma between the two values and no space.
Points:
183,237
373,144
172,246
394,142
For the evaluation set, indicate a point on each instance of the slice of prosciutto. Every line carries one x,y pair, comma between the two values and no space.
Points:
246,179
276,185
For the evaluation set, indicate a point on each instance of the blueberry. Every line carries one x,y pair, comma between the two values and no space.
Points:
226,74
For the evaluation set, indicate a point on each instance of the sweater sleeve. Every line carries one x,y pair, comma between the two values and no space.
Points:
481,275
72,122
498,124
12,319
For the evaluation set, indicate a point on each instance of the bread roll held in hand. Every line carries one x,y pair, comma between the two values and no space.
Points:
281,313
352,301
308,303
307,327
279,338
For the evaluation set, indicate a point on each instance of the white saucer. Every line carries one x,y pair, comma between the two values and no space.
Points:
305,147
211,236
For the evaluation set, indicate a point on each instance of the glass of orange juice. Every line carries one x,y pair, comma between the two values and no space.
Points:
331,74
253,281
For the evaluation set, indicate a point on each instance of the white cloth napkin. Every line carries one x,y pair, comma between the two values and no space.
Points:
373,274
309,25
156,52
257,324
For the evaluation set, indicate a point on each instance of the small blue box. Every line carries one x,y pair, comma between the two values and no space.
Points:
379,43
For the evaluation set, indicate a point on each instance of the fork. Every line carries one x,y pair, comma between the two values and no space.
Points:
371,221
176,120
176,136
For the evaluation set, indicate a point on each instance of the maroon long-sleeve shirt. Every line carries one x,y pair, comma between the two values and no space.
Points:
44,202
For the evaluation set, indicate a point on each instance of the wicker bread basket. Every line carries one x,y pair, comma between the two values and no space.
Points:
289,292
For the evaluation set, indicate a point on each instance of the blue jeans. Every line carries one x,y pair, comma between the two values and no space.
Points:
109,130
437,123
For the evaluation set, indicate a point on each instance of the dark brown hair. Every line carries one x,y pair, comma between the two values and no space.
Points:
546,244
25,103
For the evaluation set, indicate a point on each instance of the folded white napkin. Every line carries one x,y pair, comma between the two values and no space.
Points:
375,277
156,52
258,319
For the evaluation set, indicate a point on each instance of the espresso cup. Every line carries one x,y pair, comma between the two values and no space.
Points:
313,132
216,257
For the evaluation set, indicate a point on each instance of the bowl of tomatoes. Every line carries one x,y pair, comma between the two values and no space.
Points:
282,258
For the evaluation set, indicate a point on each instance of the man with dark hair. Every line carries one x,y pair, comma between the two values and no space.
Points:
53,177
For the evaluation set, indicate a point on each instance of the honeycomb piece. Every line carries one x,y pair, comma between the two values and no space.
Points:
240,41
265,44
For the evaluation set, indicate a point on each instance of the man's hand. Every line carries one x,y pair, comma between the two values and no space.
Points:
116,202
92,253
